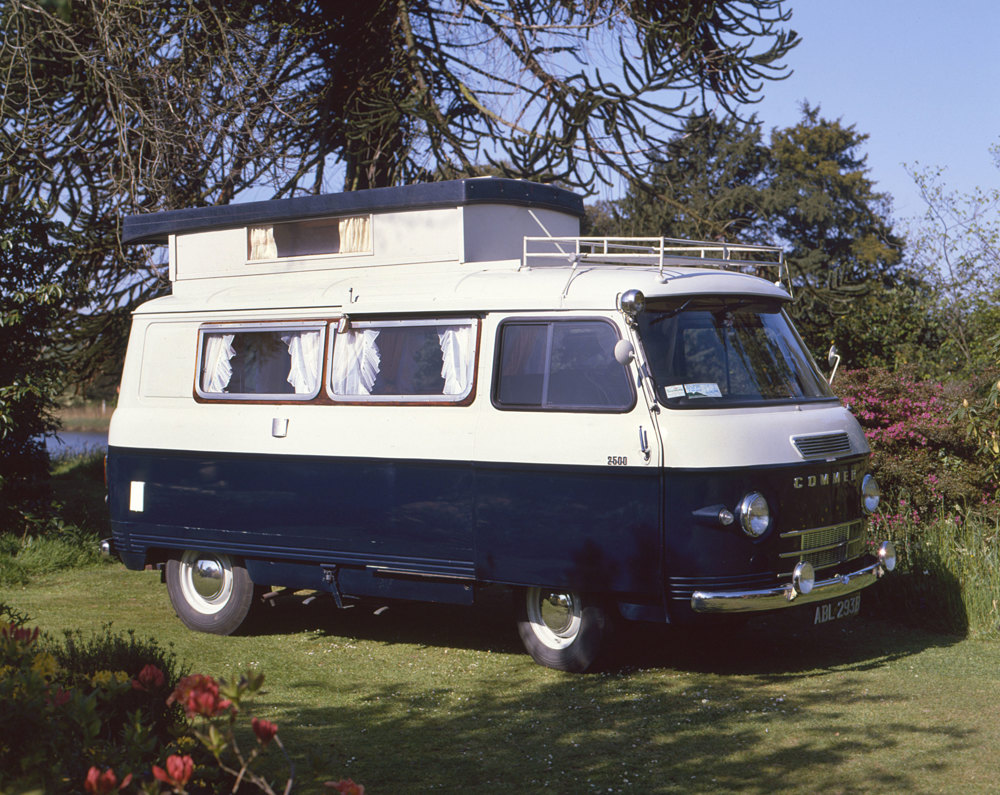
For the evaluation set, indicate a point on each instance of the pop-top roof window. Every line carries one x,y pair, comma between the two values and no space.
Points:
318,237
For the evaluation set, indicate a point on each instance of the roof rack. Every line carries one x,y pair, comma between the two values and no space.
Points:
654,252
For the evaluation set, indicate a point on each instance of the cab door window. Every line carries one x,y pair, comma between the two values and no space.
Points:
562,365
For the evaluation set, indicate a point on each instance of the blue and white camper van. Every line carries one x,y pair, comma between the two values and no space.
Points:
418,392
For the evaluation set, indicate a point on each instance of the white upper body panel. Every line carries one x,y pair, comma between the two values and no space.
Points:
464,258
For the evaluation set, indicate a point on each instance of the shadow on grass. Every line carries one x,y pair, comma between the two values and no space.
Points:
782,644
762,710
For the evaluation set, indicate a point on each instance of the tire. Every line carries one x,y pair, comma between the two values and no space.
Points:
210,591
564,630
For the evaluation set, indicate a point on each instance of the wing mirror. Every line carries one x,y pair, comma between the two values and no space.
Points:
624,352
833,359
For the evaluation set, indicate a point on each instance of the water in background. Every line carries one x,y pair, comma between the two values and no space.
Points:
76,442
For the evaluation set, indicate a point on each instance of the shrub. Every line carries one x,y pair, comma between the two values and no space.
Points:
115,713
918,452
73,707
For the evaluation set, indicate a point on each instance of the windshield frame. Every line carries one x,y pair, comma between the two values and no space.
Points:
795,357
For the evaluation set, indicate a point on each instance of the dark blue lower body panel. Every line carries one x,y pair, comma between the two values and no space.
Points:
408,529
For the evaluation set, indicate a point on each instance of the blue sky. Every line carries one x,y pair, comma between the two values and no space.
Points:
920,77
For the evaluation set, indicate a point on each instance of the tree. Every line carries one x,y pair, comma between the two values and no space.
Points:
807,189
709,184
823,205
111,106
957,244
31,297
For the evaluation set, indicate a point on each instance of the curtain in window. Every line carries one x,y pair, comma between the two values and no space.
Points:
355,362
355,235
217,368
456,355
262,245
304,349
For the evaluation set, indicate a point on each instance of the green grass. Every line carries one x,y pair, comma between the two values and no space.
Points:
440,698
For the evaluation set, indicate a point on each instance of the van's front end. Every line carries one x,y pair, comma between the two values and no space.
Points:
767,485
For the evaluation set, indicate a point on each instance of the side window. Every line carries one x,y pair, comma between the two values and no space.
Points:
560,365
404,360
260,361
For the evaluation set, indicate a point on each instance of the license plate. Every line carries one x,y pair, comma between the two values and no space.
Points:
839,608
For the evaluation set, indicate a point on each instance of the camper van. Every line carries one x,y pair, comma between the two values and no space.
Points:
420,392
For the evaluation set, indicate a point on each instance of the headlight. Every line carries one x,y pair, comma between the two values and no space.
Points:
755,516
870,494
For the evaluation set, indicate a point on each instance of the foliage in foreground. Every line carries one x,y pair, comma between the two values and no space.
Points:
115,713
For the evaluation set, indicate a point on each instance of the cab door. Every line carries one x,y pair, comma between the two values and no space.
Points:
568,460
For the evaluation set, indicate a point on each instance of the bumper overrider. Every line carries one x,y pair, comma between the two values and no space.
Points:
803,589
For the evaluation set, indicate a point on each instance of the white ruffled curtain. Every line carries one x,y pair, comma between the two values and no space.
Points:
355,235
356,362
456,355
217,368
262,245
304,350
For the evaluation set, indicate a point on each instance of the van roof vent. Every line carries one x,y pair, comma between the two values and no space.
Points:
822,445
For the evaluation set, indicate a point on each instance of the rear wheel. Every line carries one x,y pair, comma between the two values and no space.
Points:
210,591
564,630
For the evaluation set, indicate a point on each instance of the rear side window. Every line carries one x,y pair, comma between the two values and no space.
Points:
260,361
429,361
561,365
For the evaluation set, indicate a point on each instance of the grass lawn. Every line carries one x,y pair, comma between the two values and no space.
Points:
427,697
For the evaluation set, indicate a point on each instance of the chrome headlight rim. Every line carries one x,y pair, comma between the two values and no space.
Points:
755,515
871,494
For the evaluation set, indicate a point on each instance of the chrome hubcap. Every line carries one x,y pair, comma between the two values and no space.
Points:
554,617
207,578
206,581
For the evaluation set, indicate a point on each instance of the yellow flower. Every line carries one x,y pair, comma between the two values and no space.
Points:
45,665
101,679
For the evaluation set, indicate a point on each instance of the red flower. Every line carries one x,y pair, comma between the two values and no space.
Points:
264,729
150,678
102,783
346,786
178,772
199,695
19,635
57,697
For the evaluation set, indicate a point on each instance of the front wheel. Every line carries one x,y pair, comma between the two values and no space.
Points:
210,591
564,630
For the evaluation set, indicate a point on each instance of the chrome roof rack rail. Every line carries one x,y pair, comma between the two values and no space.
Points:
654,252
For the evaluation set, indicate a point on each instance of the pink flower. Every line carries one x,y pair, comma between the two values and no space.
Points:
178,772
346,786
150,678
264,729
199,695
102,783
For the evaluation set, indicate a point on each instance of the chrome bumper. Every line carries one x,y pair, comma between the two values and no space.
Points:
785,595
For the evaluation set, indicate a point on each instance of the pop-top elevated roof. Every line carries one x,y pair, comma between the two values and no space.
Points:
156,227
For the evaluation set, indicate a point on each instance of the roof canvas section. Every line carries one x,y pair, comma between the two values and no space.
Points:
157,227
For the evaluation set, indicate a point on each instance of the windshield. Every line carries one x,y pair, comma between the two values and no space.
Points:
705,352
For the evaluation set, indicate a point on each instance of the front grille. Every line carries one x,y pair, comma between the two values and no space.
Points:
827,546
822,445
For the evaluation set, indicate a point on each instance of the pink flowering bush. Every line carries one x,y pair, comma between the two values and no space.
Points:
919,454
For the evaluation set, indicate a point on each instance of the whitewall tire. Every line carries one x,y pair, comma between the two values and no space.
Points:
564,630
210,591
